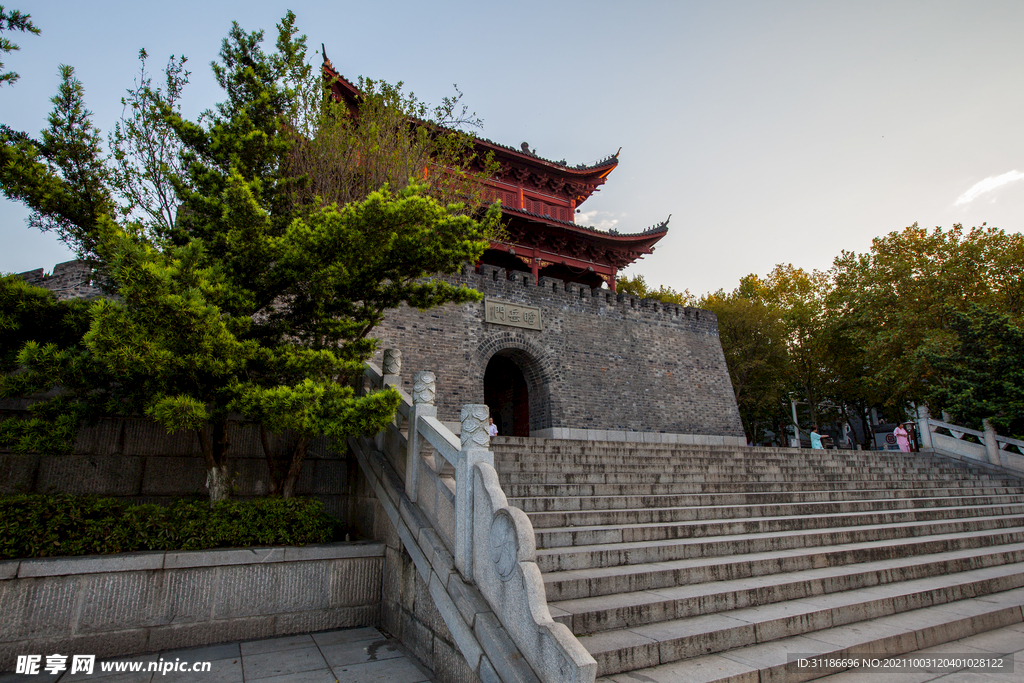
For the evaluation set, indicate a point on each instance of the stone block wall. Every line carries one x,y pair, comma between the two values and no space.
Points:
136,458
600,362
134,603
69,280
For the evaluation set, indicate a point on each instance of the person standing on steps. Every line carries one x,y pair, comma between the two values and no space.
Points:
492,429
816,438
902,438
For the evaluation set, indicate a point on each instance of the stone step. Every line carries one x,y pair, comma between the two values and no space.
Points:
711,476
624,463
549,490
644,552
630,609
895,634
527,461
599,581
657,554
659,515
672,640
573,503
633,533
568,451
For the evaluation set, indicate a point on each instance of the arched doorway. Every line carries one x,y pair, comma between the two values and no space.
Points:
507,395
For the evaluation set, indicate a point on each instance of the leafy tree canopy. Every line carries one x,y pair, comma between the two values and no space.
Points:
13,20
246,283
882,329
982,376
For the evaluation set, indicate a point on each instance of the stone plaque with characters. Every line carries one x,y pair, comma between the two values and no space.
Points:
515,315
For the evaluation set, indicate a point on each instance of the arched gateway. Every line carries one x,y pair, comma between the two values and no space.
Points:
515,392
508,397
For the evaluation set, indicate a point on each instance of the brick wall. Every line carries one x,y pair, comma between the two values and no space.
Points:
136,458
601,361
69,280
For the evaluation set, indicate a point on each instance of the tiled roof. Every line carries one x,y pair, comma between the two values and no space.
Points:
610,160
655,229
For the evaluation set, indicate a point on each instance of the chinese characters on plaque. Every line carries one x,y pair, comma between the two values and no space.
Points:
504,313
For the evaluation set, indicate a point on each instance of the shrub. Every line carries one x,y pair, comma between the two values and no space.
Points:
34,525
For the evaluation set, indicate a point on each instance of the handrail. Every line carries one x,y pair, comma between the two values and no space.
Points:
438,436
974,432
956,428
470,517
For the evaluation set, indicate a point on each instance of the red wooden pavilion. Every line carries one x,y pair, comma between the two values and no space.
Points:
539,200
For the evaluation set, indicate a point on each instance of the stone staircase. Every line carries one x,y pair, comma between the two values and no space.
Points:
713,563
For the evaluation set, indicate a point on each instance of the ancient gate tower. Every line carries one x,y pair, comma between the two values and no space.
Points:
552,349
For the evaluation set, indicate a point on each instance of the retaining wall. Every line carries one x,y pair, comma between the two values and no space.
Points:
131,603
136,458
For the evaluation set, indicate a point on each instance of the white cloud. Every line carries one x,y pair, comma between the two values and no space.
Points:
987,185
602,220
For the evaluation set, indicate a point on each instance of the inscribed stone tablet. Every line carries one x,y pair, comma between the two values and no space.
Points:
515,315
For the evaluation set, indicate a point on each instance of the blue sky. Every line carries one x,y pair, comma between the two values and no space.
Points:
772,132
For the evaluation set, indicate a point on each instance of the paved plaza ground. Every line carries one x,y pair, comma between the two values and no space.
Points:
365,655
359,655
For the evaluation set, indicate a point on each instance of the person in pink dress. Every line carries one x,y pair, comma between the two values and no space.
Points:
902,438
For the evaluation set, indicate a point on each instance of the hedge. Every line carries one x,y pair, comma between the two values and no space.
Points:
35,525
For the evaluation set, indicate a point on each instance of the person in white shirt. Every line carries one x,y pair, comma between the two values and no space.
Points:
492,429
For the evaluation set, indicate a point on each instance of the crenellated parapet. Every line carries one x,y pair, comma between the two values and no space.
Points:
69,280
496,281
592,360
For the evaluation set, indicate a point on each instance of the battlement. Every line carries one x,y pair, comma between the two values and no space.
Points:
520,286
69,280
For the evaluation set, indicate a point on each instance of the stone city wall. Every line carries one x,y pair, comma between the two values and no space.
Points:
132,603
600,361
69,280
602,366
136,458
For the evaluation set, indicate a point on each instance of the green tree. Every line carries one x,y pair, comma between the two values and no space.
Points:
754,343
637,286
257,298
40,348
63,177
146,153
13,21
896,302
981,377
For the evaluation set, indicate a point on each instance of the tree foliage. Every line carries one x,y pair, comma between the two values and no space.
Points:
244,287
909,321
637,286
982,376
753,340
13,21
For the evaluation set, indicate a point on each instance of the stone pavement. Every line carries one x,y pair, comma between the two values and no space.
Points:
358,655
1000,641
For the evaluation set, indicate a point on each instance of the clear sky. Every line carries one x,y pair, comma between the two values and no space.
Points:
772,132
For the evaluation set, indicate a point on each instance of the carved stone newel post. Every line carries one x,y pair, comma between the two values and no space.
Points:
392,367
391,376
475,447
991,446
422,406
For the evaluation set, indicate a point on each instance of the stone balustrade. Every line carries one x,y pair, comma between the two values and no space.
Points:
475,554
992,449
